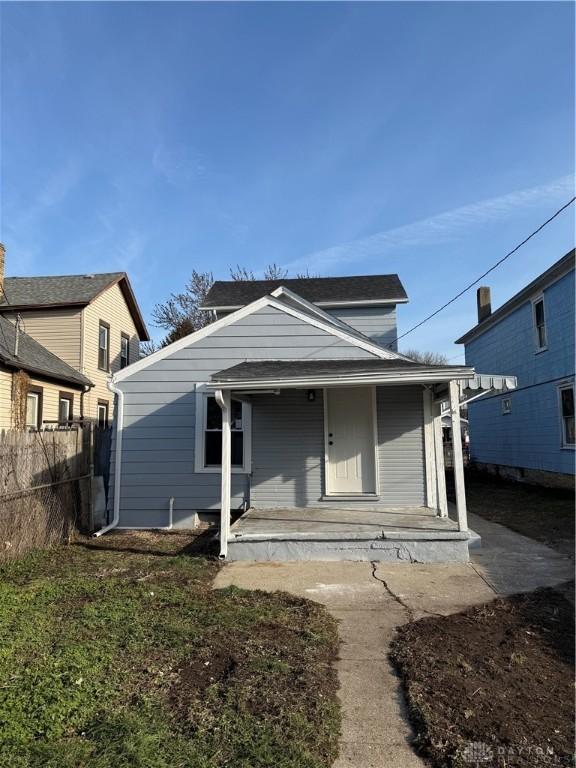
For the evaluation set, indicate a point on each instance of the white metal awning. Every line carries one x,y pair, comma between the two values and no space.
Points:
477,386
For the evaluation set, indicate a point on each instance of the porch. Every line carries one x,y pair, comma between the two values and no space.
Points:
412,534
361,464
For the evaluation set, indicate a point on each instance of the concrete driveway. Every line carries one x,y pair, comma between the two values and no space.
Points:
370,600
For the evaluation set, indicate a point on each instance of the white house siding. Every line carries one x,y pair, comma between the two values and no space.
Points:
378,323
159,428
288,448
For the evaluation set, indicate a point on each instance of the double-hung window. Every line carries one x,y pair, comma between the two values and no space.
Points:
539,324
566,397
34,408
209,435
124,350
65,408
104,346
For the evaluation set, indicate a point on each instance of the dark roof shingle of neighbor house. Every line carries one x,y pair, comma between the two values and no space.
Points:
262,370
68,290
33,357
319,290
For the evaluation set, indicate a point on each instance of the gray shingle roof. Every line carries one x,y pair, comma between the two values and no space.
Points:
64,289
324,290
262,370
68,290
33,357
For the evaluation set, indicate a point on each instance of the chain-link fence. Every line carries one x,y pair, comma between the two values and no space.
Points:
44,488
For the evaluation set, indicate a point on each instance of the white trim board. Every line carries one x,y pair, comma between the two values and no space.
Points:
265,301
328,304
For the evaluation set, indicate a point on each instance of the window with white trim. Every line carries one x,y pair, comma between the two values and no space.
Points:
33,410
65,408
566,396
209,435
539,323
506,405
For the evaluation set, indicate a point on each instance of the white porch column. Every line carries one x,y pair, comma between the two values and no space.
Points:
223,399
457,459
430,464
439,458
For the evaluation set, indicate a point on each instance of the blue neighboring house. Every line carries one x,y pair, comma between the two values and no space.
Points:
527,434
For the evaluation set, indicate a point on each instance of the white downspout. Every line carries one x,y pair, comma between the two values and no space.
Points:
117,458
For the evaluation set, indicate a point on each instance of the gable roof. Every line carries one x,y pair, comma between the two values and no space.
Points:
330,325
555,272
325,291
68,290
34,358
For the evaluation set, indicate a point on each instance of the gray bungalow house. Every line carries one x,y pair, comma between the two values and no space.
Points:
294,423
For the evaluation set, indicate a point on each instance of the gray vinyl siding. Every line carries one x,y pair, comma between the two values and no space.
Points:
401,446
159,421
378,323
288,449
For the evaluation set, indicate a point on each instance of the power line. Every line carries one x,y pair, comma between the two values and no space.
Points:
492,268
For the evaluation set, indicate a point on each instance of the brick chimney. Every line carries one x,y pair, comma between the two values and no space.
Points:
2,258
483,303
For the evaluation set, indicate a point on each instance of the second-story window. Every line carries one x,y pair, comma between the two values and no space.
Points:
104,346
124,350
540,323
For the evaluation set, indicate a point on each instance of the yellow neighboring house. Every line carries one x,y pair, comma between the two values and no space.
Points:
90,323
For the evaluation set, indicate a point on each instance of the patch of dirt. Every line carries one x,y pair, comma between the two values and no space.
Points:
544,514
492,686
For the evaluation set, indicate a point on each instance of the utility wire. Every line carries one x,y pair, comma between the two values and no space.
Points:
492,268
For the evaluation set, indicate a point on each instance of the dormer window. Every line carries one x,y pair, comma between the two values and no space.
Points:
539,324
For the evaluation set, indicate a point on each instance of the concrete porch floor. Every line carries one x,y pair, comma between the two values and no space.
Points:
319,521
341,533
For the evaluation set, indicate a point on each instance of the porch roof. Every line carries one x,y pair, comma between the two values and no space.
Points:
266,374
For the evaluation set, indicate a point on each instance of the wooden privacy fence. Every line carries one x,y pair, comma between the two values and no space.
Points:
45,487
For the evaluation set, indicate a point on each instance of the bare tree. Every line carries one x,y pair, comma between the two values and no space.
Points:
181,315
426,358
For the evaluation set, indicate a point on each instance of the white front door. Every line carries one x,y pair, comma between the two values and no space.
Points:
350,434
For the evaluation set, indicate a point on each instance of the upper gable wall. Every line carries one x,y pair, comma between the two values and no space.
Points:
378,323
267,334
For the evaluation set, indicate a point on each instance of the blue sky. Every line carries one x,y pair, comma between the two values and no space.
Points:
425,139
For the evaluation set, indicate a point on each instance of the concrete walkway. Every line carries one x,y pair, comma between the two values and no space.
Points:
513,563
371,600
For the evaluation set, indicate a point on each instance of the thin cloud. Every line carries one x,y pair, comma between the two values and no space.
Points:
442,228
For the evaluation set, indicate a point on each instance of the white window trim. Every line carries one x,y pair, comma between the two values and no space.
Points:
68,414
202,393
537,300
563,444
36,398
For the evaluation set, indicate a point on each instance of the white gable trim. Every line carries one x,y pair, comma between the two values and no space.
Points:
335,321
265,301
